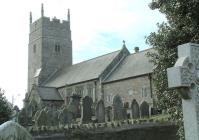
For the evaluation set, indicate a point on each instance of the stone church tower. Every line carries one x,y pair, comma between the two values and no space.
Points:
49,49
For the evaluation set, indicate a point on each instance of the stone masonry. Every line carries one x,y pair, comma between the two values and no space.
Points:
53,79
49,49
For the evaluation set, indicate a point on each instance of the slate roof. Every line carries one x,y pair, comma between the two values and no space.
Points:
48,93
83,71
133,65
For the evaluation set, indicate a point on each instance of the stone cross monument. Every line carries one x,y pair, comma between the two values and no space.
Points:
184,76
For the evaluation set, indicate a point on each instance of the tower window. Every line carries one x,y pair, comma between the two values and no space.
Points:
57,48
34,48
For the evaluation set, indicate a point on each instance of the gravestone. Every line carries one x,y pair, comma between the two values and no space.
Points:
100,111
52,117
184,76
49,115
86,113
23,118
65,116
74,105
34,119
15,114
135,109
144,109
33,107
42,118
118,109
109,113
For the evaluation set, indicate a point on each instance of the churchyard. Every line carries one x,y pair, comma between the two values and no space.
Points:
65,124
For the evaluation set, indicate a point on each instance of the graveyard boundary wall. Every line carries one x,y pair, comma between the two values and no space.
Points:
144,131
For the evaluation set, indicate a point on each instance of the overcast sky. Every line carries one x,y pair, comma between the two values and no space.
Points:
98,27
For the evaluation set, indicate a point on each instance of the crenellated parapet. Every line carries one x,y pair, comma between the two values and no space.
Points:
48,22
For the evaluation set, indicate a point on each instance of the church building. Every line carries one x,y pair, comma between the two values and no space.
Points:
53,79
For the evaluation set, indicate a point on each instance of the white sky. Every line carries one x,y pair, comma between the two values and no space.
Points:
98,27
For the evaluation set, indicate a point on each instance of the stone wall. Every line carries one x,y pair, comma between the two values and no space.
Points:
152,131
135,88
67,91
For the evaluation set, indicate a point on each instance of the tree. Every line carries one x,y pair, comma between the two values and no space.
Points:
181,27
5,108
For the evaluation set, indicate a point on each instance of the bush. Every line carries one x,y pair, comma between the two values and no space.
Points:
5,108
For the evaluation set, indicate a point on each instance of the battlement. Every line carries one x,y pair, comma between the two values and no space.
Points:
53,20
49,22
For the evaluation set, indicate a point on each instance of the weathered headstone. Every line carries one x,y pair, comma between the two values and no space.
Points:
42,118
184,76
135,109
86,113
65,116
23,118
109,113
127,110
15,114
100,111
33,107
144,109
34,119
118,109
74,105
52,117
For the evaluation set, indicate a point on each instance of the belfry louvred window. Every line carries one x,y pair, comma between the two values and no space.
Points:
34,48
57,48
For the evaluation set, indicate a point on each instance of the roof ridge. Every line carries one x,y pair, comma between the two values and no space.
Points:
41,86
134,65
96,57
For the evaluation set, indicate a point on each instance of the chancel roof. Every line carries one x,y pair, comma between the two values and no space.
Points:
83,71
49,93
133,65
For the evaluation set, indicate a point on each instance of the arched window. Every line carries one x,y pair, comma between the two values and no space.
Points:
90,90
144,92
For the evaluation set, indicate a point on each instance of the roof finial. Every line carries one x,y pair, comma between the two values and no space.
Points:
30,17
68,15
124,45
42,10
